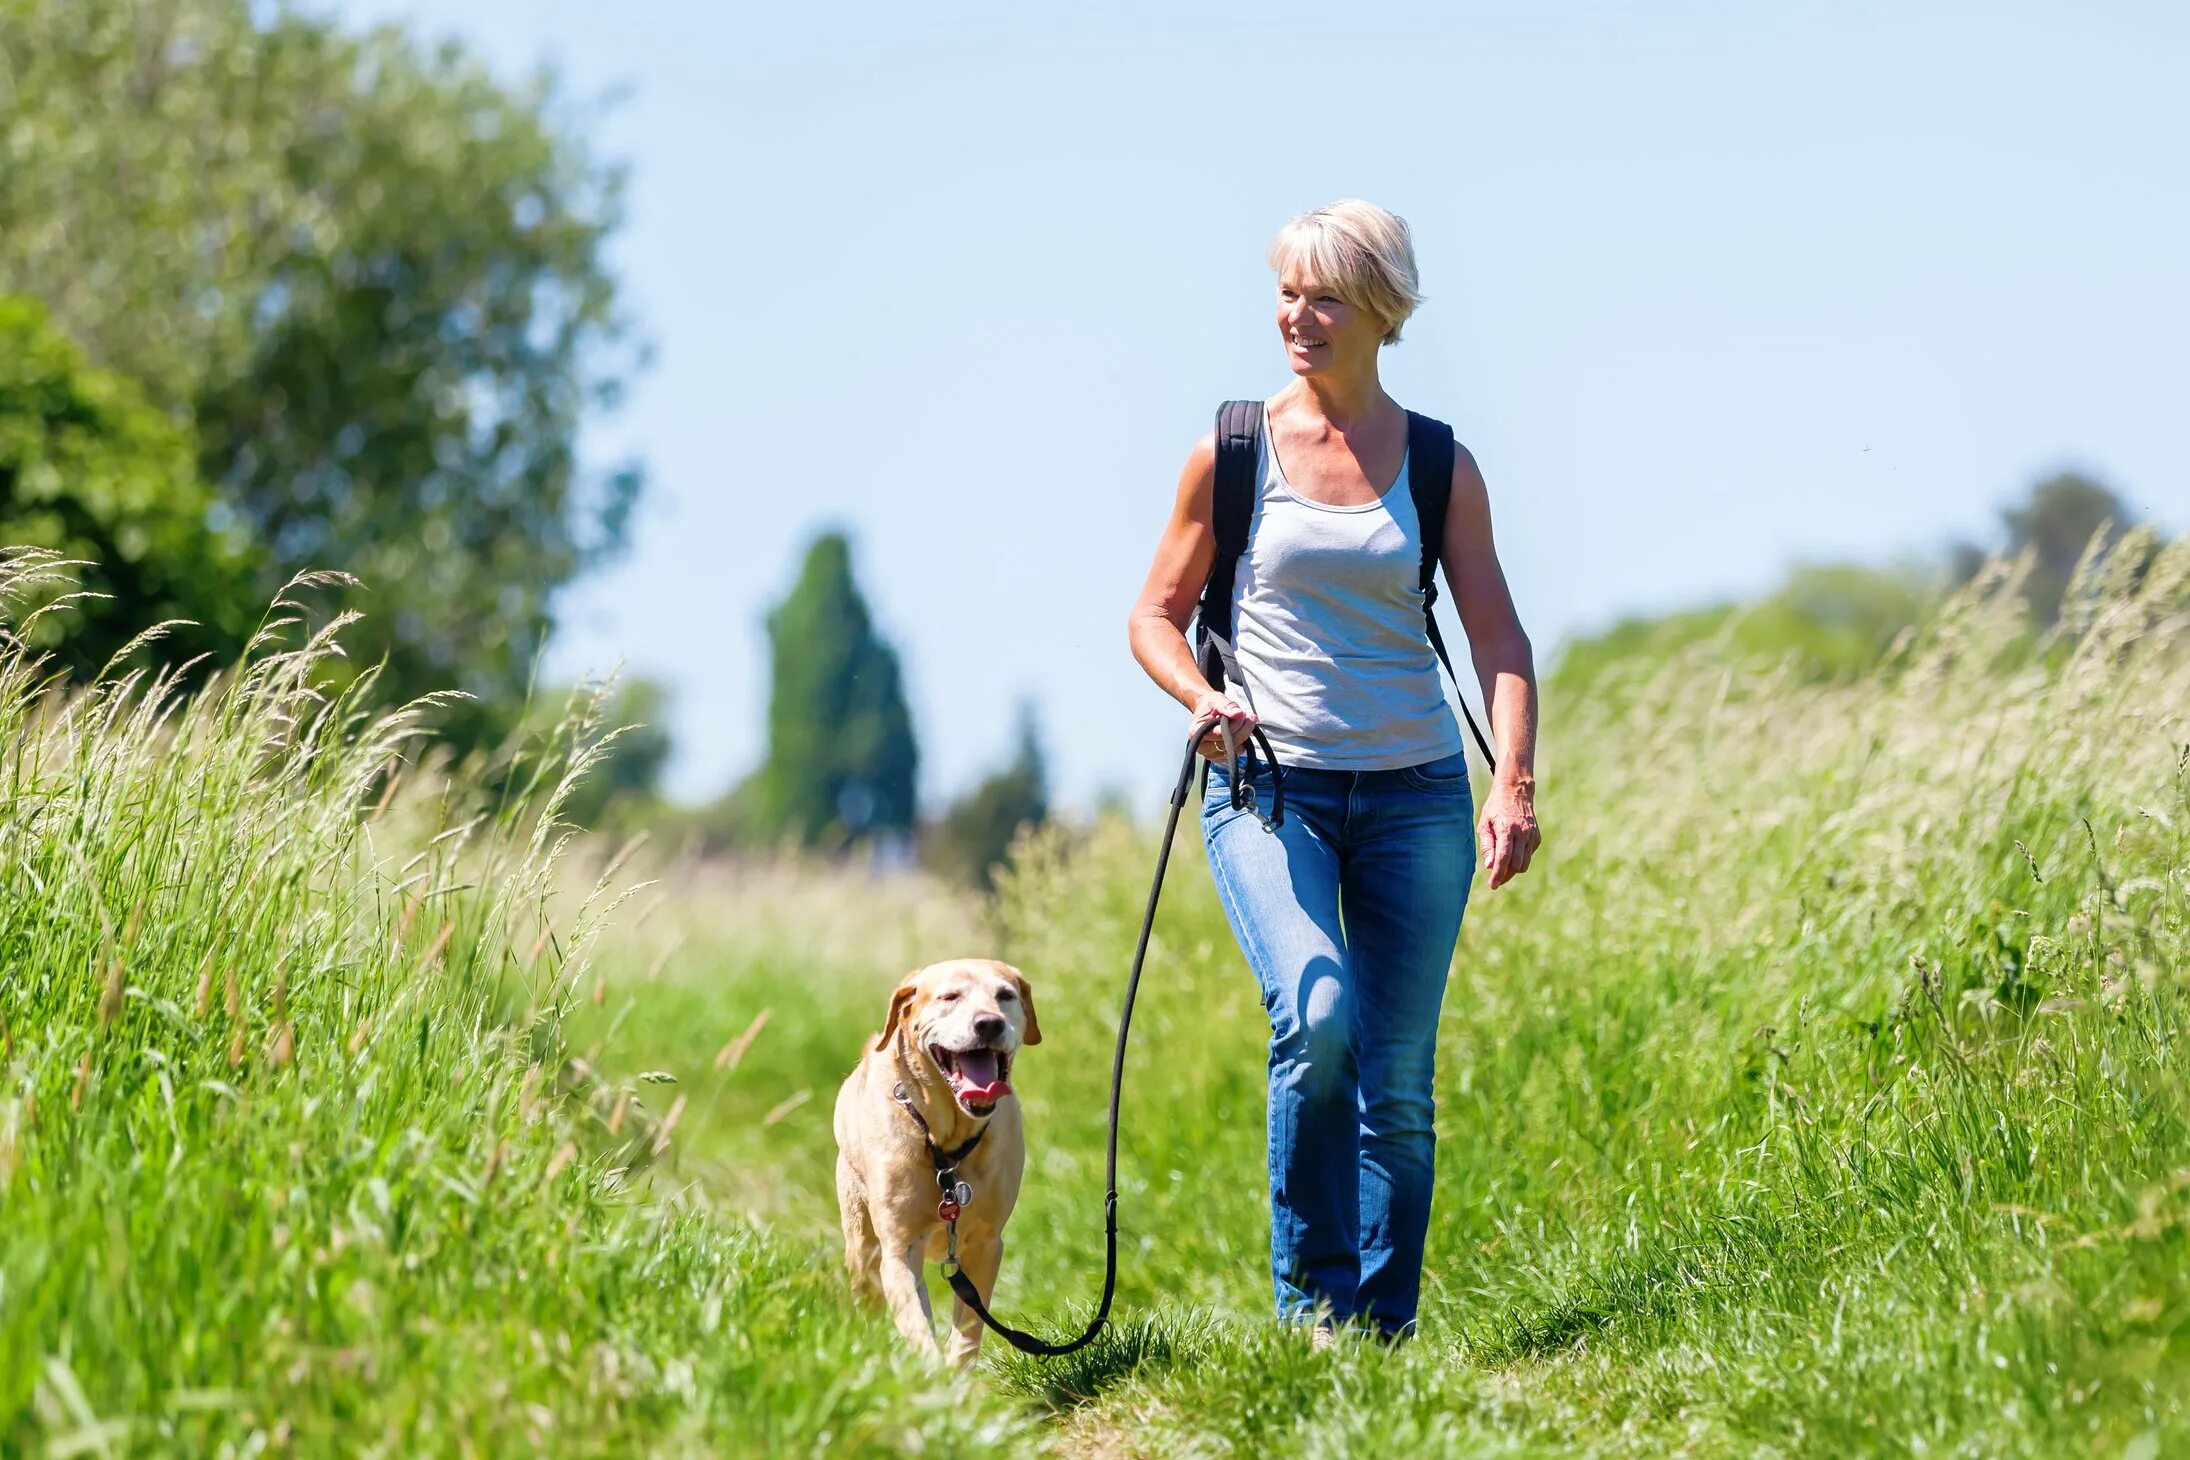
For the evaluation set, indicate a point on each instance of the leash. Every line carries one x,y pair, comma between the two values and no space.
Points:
955,1194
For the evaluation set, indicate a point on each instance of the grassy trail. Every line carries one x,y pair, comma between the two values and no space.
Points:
1823,1092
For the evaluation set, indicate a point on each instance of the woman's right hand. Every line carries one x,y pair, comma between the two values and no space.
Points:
1212,704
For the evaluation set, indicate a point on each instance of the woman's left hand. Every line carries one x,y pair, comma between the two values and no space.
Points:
1506,838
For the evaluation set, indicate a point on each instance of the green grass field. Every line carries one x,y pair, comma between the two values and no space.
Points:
1822,1091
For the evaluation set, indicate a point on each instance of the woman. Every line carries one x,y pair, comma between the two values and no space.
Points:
1349,912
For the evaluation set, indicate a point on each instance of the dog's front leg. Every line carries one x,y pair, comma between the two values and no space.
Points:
905,1293
980,1261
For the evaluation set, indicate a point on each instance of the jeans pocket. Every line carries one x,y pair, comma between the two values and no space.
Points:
1448,774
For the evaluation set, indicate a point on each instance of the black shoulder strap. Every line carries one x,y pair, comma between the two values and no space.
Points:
1430,454
1239,446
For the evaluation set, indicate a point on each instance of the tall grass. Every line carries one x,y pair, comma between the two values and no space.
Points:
1823,1090
293,1154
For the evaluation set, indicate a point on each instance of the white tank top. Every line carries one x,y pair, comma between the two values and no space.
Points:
1328,647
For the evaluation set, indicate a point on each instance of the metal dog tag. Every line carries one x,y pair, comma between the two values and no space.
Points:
962,1194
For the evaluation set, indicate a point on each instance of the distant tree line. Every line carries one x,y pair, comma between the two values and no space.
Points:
1837,619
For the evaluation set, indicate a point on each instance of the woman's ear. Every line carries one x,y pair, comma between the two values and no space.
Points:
1032,1034
900,1000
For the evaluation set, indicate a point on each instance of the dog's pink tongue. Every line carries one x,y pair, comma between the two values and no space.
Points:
978,1078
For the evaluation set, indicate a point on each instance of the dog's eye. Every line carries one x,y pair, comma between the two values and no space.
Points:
1004,994
948,998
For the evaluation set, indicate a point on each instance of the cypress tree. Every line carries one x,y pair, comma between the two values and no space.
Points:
842,761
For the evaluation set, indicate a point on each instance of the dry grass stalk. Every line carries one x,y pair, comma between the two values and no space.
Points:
668,1125
440,944
110,999
566,1153
735,1050
785,1107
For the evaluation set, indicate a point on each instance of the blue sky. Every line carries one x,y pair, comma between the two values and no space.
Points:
1712,289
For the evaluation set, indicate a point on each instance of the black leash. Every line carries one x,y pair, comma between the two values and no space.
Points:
955,1193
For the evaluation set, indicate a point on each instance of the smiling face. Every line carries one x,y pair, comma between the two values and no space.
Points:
1322,332
967,1018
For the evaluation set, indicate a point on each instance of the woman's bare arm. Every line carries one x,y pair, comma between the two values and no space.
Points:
1505,665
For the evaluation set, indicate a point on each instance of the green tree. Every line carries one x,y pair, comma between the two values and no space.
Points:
90,471
370,275
2057,523
974,836
842,761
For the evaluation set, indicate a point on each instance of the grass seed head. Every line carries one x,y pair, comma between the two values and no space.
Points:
110,999
668,1125
439,944
564,1155
735,1050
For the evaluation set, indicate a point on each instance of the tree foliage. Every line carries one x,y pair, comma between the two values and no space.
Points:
842,760
90,471
370,275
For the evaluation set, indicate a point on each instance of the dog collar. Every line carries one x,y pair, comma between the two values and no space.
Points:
944,1160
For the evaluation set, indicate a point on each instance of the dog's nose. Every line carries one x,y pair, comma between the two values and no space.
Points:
988,1027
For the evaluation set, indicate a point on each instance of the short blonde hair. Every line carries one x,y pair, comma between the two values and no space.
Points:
1364,254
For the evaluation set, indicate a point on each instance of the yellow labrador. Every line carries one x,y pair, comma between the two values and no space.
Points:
934,1091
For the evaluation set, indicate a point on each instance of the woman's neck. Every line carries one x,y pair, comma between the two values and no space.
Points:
1344,401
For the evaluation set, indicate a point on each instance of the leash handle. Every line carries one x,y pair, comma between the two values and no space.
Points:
1239,783
962,1286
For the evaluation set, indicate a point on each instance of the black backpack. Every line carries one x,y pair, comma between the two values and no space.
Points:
1430,449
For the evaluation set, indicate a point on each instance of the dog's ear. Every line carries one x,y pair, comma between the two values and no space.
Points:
1033,1032
900,1000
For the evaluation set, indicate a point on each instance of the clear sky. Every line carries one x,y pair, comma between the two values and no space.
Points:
1711,289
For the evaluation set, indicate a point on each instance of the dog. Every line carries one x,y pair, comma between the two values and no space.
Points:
934,1091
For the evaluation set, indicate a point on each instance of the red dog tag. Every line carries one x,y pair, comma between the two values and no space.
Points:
947,1209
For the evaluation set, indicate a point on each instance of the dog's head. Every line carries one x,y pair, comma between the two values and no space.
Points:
966,1017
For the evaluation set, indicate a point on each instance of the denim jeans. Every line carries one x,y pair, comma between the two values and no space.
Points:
1348,913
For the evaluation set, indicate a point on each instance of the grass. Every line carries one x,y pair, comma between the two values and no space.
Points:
285,1162
1823,1091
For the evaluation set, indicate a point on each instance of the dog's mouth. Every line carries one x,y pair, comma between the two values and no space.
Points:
978,1077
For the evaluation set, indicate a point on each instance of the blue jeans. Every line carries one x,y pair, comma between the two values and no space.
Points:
1348,914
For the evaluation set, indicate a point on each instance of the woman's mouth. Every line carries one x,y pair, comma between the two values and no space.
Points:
978,1077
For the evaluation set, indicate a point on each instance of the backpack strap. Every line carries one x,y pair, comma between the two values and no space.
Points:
1239,447
1430,454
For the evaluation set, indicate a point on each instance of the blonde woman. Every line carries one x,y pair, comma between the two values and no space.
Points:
1349,908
